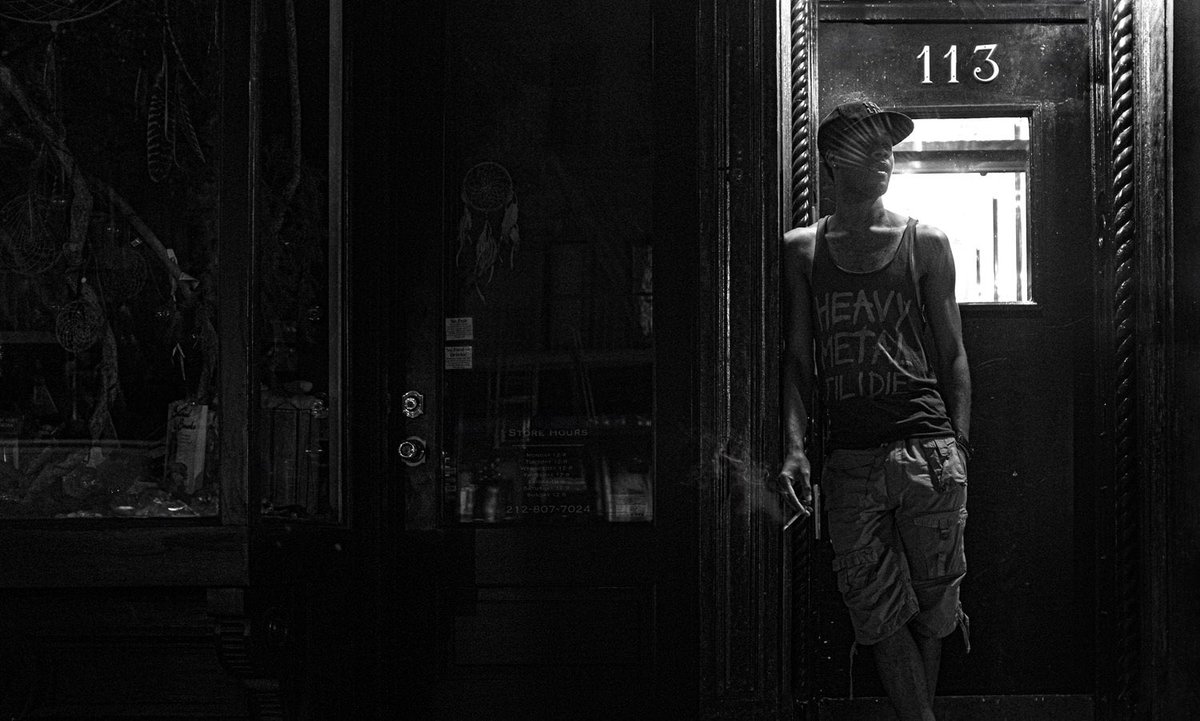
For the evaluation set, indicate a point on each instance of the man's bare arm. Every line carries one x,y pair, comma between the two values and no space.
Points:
797,363
941,307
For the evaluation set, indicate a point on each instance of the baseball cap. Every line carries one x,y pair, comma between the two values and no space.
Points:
845,116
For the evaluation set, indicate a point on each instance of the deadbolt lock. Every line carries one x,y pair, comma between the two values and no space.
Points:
412,451
413,404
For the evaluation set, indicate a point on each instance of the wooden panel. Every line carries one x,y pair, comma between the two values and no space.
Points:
1026,69
534,556
115,653
552,626
548,652
1178,694
1153,105
141,680
131,556
127,613
967,708
939,10
557,693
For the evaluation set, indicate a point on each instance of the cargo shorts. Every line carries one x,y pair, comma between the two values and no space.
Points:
896,518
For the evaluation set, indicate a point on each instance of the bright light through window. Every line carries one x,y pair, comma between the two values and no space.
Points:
970,177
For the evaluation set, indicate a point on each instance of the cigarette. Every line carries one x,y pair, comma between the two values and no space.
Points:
802,513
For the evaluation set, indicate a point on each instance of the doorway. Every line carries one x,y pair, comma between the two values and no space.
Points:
535,531
1003,113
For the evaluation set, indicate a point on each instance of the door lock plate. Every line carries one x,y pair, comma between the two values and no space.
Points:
413,404
412,451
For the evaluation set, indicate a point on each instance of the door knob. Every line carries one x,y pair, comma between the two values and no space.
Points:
412,451
412,403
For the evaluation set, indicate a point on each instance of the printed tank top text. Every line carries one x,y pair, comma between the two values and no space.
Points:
867,343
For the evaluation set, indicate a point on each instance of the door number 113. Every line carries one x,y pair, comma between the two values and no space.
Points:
985,71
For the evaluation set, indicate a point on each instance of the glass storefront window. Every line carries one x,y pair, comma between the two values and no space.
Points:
548,390
299,273
108,260
970,177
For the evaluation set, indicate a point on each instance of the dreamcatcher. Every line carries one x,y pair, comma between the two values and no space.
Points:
488,229
36,226
120,270
31,234
79,325
52,12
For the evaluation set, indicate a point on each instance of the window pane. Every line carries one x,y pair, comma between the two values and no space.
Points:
108,262
970,177
299,267
549,336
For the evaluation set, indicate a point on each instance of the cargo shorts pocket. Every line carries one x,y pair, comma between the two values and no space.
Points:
940,544
945,463
853,569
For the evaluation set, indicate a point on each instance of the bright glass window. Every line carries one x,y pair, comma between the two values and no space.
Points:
970,177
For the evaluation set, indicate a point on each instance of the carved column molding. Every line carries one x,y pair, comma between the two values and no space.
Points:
803,50
1138,248
1123,246
802,47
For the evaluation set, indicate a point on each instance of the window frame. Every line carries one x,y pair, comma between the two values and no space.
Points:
1035,115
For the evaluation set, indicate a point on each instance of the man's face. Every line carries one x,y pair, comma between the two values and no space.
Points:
862,160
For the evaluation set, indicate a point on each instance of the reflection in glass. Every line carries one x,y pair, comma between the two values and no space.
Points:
970,177
548,388
299,290
108,260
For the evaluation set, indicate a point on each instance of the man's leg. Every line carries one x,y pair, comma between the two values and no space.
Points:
902,670
930,522
931,654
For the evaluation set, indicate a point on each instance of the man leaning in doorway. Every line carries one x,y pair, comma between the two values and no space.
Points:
864,285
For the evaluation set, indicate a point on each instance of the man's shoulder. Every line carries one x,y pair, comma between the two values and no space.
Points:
801,241
930,241
931,249
931,236
798,244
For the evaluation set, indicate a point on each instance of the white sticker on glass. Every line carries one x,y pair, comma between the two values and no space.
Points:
460,328
459,357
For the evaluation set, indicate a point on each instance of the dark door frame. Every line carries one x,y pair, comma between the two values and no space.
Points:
745,598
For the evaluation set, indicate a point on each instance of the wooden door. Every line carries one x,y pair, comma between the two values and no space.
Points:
1001,160
515,225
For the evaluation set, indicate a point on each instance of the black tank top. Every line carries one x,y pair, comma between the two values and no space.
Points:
875,375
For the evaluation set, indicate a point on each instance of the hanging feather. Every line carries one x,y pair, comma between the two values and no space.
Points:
510,234
485,253
184,130
159,146
169,37
139,90
50,78
209,343
464,234
100,422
